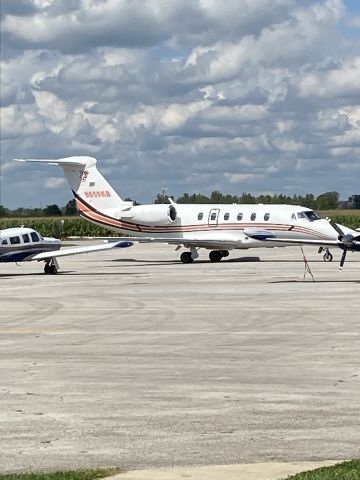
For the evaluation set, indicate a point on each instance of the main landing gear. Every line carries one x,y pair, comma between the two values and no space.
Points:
327,257
51,266
214,256
217,255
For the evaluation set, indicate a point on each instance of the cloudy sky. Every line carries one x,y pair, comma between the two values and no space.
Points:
189,95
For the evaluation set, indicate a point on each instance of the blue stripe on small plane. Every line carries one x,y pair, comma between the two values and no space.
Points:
123,245
18,256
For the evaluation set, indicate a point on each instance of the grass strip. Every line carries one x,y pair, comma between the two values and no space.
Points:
63,475
342,471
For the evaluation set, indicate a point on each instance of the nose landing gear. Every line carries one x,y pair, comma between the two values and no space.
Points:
327,257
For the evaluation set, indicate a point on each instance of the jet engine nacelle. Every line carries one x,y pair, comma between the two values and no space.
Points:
155,215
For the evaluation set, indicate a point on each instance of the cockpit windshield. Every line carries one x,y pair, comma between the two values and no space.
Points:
309,215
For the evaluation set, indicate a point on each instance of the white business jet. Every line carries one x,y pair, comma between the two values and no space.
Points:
219,228
26,245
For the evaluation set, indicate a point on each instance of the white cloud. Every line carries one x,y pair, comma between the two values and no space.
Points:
54,183
193,94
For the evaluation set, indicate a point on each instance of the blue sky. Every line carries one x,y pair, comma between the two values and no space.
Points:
188,95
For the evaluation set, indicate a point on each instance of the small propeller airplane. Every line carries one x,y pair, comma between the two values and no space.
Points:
218,228
345,241
26,245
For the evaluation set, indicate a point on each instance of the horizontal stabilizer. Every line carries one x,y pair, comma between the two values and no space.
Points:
79,160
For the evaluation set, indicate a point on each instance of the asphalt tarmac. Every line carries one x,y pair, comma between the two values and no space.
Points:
129,358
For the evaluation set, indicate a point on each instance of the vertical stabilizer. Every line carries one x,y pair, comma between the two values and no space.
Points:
87,183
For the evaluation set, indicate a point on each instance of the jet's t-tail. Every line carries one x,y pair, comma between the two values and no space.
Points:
87,183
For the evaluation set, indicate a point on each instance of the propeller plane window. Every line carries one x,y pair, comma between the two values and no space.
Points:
4,242
26,238
239,217
226,216
15,240
34,237
213,216
266,217
253,217
200,216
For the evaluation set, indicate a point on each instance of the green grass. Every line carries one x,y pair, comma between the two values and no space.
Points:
63,475
342,471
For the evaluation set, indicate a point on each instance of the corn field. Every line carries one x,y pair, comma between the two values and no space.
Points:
76,226
53,226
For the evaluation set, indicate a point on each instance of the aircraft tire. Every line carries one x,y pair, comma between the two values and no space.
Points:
215,256
186,257
328,257
53,269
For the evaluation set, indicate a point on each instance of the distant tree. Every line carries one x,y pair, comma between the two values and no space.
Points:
327,201
309,201
247,198
3,211
70,208
52,210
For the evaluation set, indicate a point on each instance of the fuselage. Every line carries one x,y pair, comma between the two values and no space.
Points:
21,244
206,221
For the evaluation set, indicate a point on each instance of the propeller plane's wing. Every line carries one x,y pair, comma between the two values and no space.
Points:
79,250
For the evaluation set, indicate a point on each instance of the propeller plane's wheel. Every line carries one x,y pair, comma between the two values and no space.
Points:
215,256
53,269
328,257
50,268
186,257
224,253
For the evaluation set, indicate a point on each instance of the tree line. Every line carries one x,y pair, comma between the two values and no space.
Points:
325,201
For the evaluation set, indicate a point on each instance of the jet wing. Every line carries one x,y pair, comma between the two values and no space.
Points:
266,236
210,243
323,243
79,250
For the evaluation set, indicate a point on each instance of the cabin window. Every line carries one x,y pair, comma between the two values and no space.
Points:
253,217
4,242
213,216
14,240
226,216
26,238
301,215
239,217
200,216
266,217
34,237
